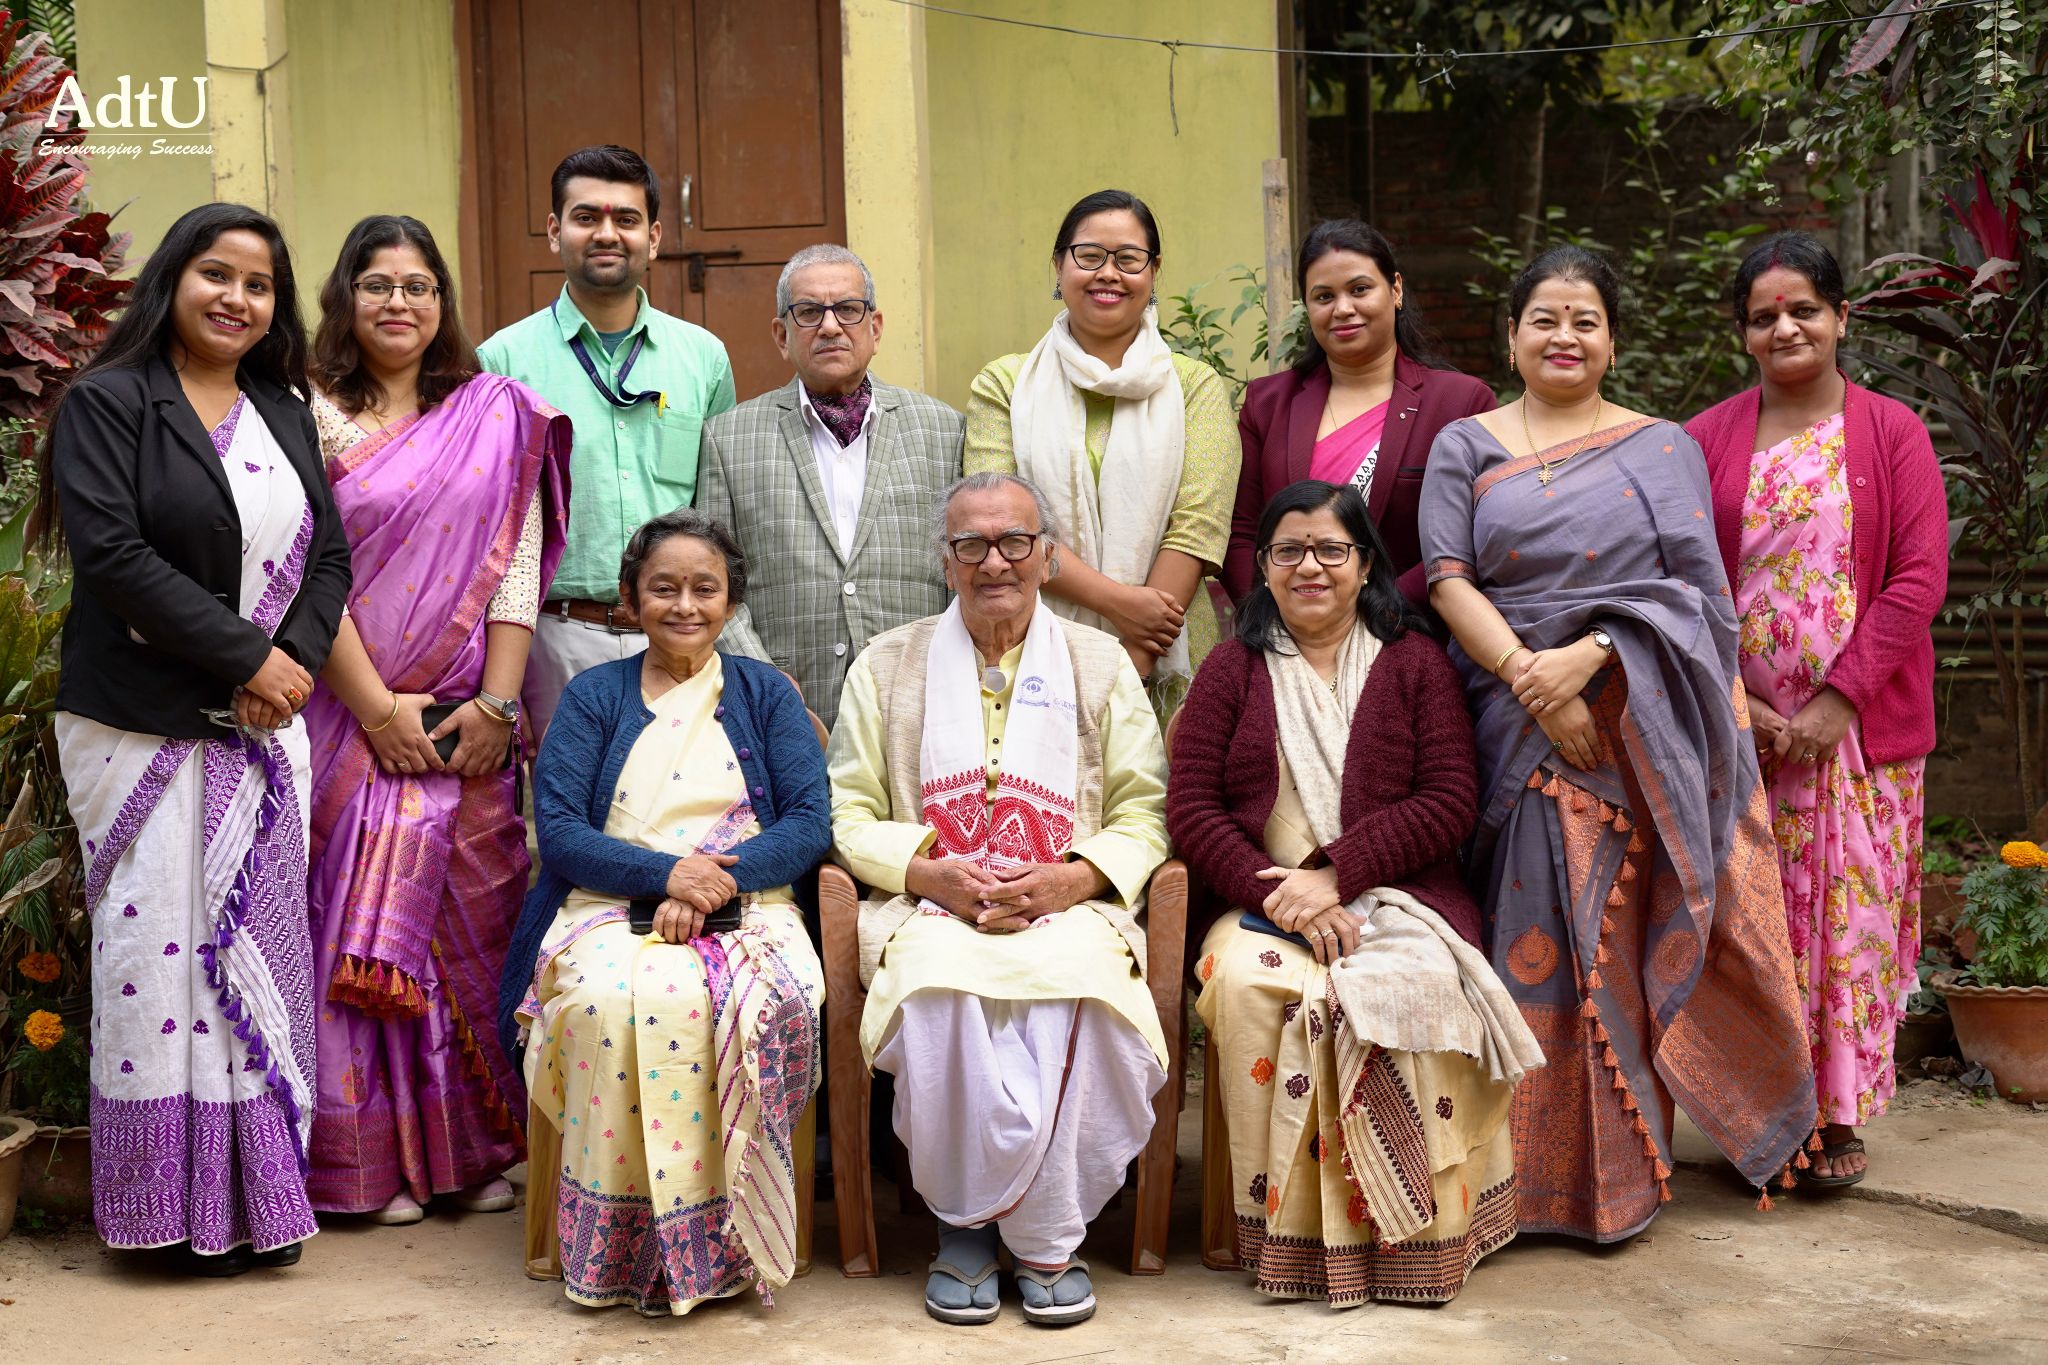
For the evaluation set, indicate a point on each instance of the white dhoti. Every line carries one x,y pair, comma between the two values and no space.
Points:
1024,1113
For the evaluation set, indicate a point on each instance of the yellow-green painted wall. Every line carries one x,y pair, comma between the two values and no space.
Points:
375,123
145,40
1024,122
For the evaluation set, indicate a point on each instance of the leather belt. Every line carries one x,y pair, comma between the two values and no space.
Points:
615,617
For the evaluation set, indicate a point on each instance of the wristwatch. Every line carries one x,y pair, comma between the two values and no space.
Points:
506,707
1602,639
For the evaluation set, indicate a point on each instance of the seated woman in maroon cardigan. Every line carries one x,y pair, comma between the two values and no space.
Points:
1322,779
1833,527
1362,406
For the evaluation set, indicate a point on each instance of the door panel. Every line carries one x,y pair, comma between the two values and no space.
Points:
739,305
736,99
760,86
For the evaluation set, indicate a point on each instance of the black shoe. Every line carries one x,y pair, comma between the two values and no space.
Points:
183,1259
279,1256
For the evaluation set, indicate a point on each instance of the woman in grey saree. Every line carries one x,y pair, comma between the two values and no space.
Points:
1623,854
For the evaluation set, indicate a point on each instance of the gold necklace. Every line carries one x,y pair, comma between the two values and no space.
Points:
1544,473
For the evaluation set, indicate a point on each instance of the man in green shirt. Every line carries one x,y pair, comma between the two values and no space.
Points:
637,384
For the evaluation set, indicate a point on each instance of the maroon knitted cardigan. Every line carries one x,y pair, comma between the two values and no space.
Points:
1411,784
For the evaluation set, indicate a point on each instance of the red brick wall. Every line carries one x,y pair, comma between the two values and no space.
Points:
1426,184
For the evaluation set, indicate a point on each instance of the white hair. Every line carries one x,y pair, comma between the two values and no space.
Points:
988,481
825,253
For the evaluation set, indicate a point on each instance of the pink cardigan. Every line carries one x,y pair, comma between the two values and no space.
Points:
1899,555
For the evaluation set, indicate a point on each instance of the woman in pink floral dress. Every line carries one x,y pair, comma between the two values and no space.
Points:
1829,509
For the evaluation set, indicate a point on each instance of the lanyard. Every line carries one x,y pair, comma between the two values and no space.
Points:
624,398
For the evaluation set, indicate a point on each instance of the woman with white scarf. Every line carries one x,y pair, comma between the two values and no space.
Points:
1323,776
1135,447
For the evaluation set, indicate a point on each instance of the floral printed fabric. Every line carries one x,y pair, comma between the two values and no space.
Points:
1848,831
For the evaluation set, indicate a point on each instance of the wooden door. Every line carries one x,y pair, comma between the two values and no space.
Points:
734,103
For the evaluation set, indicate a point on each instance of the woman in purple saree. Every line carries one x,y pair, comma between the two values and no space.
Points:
452,487
1623,852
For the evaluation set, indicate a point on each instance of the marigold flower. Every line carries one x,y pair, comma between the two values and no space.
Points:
42,967
43,1030
2023,853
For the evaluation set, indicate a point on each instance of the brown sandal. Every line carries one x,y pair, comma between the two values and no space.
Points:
1832,1151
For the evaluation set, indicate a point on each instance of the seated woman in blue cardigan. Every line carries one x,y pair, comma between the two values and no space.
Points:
660,979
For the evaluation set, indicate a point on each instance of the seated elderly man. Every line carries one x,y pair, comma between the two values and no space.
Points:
998,780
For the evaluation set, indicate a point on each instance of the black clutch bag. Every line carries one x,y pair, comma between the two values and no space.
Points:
723,920
1259,924
434,717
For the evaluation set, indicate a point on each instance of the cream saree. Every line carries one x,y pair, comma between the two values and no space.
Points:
676,1073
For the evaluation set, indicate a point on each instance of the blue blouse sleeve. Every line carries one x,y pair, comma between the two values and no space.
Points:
565,778
797,839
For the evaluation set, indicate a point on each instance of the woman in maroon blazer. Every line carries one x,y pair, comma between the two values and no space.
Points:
1833,524
1323,776
1362,406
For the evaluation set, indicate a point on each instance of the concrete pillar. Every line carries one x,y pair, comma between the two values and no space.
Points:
889,181
249,99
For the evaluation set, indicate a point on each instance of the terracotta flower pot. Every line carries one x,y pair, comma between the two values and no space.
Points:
2005,1030
16,1133
56,1172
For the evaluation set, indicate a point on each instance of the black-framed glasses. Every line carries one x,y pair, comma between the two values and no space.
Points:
417,293
1130,260
1015,546
1329,553
848,312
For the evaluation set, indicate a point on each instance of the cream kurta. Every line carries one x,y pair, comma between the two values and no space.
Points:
1078,954
1024,1063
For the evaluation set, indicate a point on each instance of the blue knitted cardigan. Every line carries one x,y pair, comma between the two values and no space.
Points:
594,727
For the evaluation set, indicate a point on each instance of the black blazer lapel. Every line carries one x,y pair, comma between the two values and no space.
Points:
174,410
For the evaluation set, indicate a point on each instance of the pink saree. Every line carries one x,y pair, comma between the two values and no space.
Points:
416,879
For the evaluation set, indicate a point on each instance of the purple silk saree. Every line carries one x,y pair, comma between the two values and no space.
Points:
417,878
1634,911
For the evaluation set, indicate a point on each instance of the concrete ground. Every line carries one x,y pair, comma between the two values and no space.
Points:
1900,1273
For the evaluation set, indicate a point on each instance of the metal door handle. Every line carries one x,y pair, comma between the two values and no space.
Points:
688,185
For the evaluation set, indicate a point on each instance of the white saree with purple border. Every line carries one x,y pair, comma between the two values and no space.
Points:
202,1027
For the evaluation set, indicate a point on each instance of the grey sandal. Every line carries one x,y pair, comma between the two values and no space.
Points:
962,1288
1057,1298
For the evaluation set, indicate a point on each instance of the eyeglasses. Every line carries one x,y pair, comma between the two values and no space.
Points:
1329,553
1015,546
849,312
1130,260
418,293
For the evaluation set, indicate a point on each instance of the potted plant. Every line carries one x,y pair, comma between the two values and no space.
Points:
1925,1028
2000,1001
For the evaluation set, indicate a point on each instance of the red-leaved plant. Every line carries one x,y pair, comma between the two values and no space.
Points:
57,266
1968,345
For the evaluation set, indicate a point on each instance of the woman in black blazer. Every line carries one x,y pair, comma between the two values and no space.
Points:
210,574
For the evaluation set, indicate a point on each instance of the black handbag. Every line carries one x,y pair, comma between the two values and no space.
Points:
434,717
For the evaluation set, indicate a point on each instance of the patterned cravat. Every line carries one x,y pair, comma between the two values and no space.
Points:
843,413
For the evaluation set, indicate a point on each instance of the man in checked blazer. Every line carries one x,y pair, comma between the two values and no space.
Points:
828,484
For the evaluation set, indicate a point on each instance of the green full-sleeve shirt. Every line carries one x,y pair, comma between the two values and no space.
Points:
628,465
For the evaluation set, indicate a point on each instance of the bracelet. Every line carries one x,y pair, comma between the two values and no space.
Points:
373,729
1505,655
493,712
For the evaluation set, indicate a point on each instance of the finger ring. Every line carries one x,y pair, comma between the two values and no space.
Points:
404,766
1557,744
1810,755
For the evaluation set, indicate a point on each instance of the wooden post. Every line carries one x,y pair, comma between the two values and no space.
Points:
1279,255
